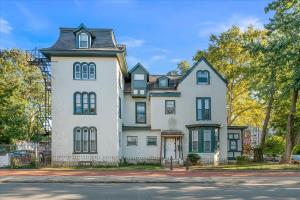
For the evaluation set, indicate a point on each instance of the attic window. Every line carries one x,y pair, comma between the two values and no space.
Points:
163,83
83,40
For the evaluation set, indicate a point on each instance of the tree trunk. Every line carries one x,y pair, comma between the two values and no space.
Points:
286,158
260,152
229,113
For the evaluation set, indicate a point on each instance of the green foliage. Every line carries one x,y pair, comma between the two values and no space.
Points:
227,53
242,159
21,91
274,145
183,67
193,158
297,149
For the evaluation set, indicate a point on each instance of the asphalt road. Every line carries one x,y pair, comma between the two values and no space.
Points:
132,191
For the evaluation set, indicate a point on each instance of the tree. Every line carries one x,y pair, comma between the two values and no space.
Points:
274,145
226,52
284,27
183,67
21,91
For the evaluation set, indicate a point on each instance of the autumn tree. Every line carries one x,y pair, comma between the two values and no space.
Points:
226,52
21,91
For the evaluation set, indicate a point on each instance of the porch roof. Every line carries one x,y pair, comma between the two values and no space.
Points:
203,125
168,133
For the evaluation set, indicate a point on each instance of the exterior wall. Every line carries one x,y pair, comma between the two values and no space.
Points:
186,107
129,111
120,90
63,119
141,150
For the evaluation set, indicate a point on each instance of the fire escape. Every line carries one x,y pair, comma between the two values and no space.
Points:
35,58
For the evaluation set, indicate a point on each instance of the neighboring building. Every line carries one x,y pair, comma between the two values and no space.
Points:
100,108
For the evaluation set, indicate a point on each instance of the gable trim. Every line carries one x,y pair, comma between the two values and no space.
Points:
194,66
141,66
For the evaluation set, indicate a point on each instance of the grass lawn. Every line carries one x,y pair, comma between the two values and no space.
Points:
250,166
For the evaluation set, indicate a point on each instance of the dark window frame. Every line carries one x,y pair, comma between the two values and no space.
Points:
89,104
149,144
198,79
136,141
174,109
136,114
203,110
89,66
81,140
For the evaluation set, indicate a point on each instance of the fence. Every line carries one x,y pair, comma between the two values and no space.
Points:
96,160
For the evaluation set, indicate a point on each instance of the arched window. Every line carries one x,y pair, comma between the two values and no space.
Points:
77,103
92,102
85,140
77,140
85,103
85,70
77,71
83,40
203,77
92,71
93,140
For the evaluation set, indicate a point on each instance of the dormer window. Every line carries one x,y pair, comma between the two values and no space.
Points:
139,77
83,40
203,77
163,82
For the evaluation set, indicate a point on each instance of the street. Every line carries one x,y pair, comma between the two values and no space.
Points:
131,191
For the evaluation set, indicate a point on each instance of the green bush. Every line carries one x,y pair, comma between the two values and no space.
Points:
242,159
297,149
193,158
274,145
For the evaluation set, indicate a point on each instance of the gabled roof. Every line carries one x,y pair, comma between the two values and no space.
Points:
208,64
81,27
139,65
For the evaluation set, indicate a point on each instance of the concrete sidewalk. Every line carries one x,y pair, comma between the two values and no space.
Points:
139,179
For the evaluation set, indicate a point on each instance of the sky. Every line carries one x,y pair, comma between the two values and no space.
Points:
157,34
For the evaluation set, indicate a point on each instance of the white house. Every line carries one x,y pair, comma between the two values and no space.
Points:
100,108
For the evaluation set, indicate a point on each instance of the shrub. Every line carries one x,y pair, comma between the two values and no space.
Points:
242,159
193,158
274,145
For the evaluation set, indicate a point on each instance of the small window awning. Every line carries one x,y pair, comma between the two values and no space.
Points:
203,125
171,133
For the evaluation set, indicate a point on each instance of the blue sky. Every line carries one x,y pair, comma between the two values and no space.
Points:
157,33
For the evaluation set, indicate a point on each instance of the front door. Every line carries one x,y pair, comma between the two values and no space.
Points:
170,148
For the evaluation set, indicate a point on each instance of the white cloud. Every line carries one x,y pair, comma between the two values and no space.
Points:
176,60
5,27
131,42
157,57
209,27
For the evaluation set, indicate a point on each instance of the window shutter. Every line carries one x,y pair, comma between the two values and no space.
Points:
190,140
201,140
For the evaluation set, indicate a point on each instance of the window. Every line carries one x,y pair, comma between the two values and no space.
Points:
151,140
85,140
140,112
83,40
203,77
163,82
92,102
195,141
84,103
77,69
120,108
207,141
84,71
78,105
170,106
233,145
132,140
92,71
203,108
139,77
93,140
77,140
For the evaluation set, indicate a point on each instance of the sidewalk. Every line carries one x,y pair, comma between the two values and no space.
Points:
176,176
